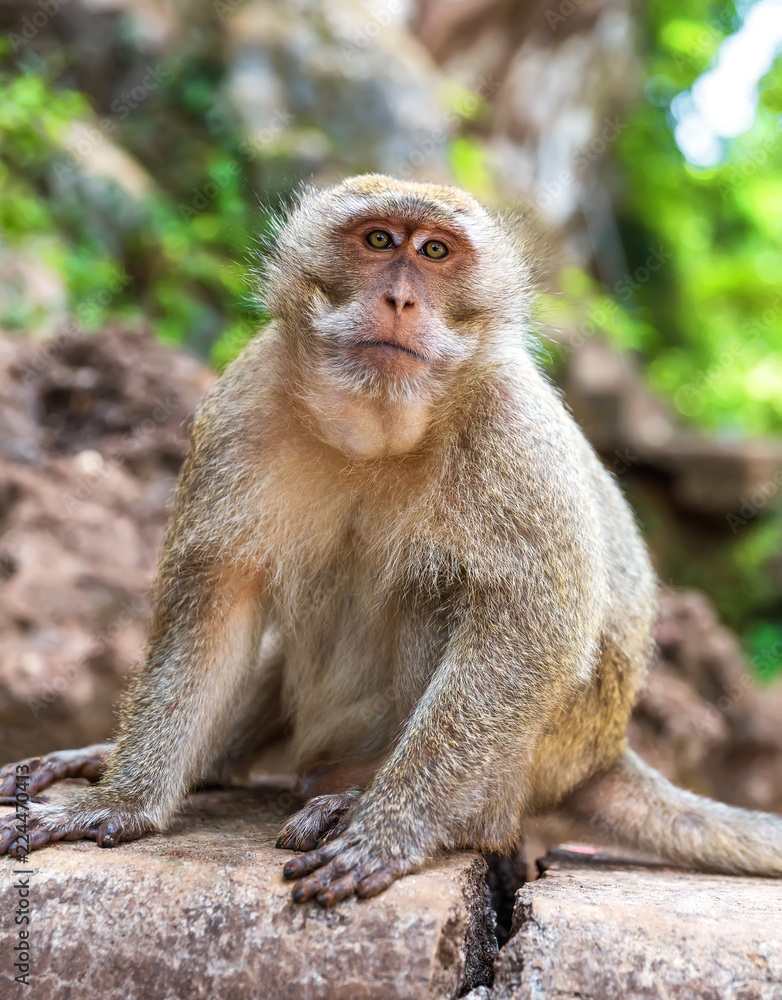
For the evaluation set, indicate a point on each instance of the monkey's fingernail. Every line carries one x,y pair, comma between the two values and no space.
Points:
289,871
108,836
325,898
278,842
299,895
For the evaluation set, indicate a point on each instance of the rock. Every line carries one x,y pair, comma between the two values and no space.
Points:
557,78
702,719
98,157
608,929
736,478
204,912
92,433
333,88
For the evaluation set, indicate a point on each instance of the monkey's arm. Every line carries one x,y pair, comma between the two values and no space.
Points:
459,775
207,625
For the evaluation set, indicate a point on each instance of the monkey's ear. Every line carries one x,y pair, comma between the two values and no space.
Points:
275,214
514,222
532,242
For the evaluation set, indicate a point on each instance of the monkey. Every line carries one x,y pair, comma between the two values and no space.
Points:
393,547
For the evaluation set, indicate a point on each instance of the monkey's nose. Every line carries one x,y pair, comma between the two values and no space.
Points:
400,297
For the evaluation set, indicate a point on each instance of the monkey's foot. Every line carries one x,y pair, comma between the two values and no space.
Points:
344,867
322,819
34,826
36,773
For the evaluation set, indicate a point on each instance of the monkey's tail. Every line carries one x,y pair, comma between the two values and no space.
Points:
632,805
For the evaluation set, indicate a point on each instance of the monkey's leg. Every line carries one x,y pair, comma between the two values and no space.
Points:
40,772
322,819
257,723
457,776
206,632
258,720
332,792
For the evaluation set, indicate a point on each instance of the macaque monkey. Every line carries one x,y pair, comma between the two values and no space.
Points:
393,544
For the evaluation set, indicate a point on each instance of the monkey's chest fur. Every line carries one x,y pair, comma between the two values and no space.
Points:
362,635
372,569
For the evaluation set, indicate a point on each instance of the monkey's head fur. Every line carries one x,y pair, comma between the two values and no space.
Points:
398,283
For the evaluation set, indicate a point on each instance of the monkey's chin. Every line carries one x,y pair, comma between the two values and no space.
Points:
369,408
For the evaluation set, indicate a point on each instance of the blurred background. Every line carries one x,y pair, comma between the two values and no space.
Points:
143,146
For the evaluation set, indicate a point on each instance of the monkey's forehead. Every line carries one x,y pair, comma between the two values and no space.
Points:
412,202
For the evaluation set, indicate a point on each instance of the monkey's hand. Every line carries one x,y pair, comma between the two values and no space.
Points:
36,773
356,861
83,815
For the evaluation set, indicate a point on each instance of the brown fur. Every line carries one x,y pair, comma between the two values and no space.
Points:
451,587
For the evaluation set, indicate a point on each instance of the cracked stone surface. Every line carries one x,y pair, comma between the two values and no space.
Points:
204,913
607,929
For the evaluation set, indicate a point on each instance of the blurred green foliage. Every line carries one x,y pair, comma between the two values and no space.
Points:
173,246
706,316
701,300
710,319
33,120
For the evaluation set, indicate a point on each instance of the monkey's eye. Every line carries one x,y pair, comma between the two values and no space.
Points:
434,249
380,240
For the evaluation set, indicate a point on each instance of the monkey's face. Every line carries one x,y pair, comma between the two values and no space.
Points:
386,290
389,321
388,284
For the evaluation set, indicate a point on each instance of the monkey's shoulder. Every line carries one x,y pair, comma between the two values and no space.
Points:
516,434
235,416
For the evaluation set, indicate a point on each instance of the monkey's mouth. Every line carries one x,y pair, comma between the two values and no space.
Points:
395,347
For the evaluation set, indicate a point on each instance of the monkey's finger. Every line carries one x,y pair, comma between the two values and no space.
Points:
67,831
319,880
89,763
8,833
341,888
44,771
308,888
305,829
332,834
88,833
379,880
113,832
39,834
297,840
8,776
35,836
305,863
109,834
